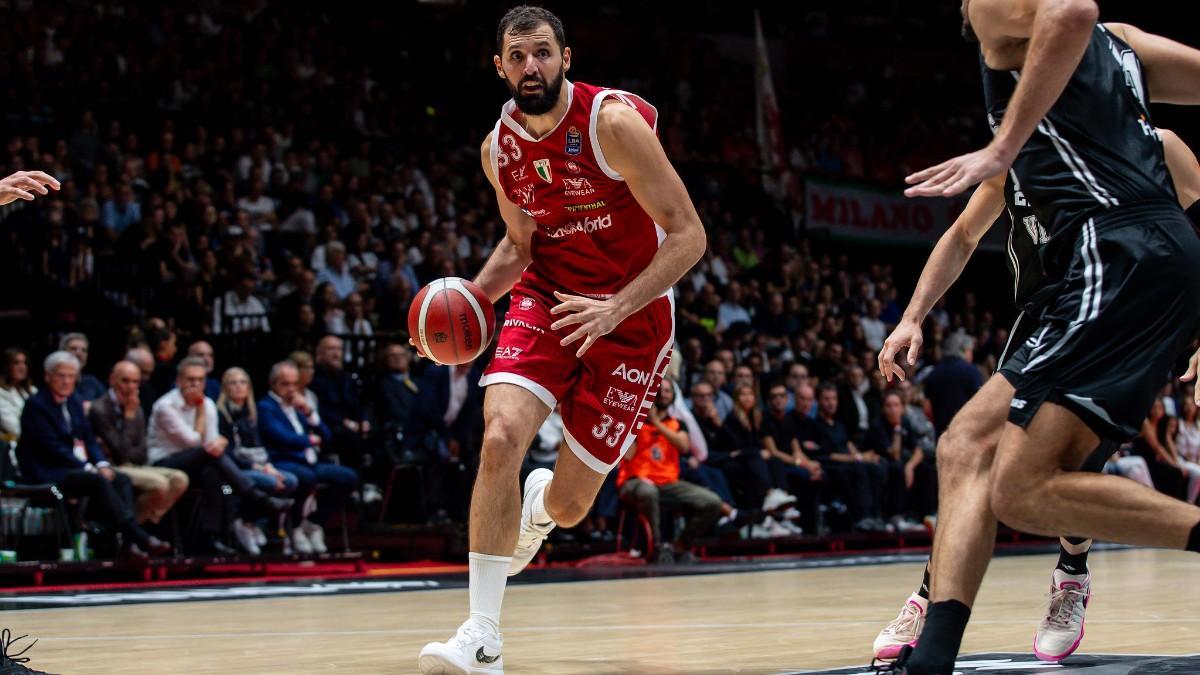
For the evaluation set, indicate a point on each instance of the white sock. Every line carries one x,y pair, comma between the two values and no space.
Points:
488,575
539,513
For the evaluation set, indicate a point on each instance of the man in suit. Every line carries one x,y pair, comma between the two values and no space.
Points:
396,396
445,428
294,437
57,446
339,404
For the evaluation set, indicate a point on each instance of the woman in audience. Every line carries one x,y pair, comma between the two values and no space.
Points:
744,428
1168,475
15,388
1187,445
238,422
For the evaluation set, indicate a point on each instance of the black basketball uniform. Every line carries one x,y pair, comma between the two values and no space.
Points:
1121,295
1026,236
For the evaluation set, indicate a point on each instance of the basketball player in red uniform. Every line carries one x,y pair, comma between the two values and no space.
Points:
600,227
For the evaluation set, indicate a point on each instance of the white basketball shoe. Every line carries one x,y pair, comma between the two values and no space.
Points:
903,630
532,534
475,648
1061,631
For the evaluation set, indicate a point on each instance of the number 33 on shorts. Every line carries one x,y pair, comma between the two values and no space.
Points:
600,431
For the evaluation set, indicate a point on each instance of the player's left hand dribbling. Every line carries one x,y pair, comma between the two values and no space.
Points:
597,318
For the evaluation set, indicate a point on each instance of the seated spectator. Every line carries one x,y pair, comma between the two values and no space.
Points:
288,308
307,368
743,427
239,310
744,376
695,468
183,434
1129,466
1168,474
798,377
57,446
204,351
120,426
295,438
918,420
858,404
396,395
144,360
909,483
89,387
339,404
164,346
858,477
337,271
353,319
953,381
745,470
714,374
649,477
121,211
732,311
1187,445
239,423
785,435
15,389
446,427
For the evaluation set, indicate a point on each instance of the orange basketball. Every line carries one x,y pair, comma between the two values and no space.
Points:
452,321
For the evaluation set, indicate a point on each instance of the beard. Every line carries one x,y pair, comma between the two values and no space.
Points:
540,103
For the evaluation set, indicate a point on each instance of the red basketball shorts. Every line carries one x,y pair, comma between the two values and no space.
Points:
602,397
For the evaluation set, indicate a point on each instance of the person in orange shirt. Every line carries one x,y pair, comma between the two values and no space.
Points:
649,477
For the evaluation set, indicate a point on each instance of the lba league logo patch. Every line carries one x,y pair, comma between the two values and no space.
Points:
574,141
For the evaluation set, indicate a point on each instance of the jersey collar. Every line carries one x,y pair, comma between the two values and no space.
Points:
511,106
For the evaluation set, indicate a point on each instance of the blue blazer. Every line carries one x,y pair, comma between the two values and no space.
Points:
46,451
278,435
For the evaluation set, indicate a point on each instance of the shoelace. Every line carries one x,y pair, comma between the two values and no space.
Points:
7,641
1062,606
907,621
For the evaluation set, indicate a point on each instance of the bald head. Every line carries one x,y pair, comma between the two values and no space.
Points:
143,359
125,379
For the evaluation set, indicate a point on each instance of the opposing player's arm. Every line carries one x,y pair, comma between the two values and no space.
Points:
1185,169
1172,69
511,255
945,264
1057,33
633,150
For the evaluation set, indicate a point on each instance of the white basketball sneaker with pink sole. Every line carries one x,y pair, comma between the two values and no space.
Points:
903,630
1061,631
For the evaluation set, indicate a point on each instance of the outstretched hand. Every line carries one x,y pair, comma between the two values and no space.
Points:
26,185
955,175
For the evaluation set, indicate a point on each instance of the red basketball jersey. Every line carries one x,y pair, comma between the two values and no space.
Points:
592,236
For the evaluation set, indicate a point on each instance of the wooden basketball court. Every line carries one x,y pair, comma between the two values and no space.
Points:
1144,602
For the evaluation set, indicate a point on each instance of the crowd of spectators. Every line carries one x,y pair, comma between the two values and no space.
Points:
275,175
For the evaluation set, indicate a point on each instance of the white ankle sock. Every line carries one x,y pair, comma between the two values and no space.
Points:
539,513
488,575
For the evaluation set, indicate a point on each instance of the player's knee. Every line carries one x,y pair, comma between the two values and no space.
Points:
502,448
1014,502
959,452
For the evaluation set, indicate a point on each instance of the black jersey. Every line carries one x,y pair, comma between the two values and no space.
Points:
1026,236
1095,150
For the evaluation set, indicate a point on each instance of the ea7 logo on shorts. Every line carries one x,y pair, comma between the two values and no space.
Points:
509,353
1018,403
621,400
632,375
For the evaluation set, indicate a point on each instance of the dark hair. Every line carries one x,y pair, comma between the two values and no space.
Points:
524,19
10,355
826,386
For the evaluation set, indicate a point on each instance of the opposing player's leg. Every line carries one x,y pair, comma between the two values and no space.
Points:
966,530
512,415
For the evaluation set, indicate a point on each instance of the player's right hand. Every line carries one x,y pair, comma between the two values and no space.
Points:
26,185
907,334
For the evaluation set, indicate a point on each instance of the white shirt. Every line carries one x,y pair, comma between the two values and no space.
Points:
231,315
1187,442
12,404
874,332
172,426
458,395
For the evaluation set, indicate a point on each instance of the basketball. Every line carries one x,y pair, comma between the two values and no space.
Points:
452,321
